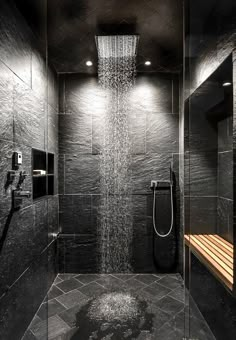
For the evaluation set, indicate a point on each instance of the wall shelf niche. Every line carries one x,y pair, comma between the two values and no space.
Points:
42,173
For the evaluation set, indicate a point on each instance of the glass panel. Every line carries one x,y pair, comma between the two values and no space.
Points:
208,198
26,272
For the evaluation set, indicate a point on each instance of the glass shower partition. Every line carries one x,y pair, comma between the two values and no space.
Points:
209,107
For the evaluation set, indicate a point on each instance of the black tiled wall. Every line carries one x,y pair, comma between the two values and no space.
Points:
225,178
201,147
153,124
28,112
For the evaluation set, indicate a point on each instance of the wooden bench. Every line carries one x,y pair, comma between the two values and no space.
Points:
216,253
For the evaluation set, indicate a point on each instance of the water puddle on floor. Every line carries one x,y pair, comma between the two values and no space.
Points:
113,316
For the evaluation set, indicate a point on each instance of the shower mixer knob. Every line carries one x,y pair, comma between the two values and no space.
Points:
154,184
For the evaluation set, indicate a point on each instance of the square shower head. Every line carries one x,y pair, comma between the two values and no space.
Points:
117,46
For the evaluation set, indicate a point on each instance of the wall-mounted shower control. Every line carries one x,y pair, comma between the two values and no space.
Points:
18,196
153,184
17,159
11,176
160,184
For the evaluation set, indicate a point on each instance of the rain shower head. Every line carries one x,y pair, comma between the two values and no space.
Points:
115,46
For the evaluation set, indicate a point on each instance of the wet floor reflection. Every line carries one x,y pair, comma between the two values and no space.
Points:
113,316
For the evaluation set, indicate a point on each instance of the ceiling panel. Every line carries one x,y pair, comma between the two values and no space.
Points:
73,24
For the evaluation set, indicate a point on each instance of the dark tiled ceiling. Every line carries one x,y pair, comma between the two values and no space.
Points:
73,24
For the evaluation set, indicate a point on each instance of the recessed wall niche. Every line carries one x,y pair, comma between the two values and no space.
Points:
42,173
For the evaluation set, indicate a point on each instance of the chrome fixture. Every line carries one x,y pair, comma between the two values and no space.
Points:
226,84
154,185
122,46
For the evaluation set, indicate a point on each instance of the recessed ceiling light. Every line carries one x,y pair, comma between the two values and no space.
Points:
148,63
227,83
89,63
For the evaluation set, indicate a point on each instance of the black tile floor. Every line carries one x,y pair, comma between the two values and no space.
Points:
117,307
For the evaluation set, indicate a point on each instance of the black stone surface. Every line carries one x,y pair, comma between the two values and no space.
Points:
201,214
15,46
147,167
162,133
202,168
75,132
153,128
225,219
159,315
225,174
214,301
225,134
76,214
21,302
28,119
81,174
6,96
52,129
28,108
78,253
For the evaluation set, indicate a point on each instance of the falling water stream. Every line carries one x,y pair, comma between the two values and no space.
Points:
117,55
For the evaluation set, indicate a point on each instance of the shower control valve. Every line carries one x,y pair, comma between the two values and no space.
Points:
154,184
18,196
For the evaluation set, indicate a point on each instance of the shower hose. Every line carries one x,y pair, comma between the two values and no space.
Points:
154,212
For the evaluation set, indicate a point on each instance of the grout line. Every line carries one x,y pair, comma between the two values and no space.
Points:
57,288
83,284
62,303
116,277
100,284
189,196
175,297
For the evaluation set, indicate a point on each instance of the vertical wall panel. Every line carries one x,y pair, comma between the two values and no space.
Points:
153,126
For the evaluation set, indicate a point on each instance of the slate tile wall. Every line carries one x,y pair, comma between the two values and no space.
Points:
29,118
201,161
225,178
153,124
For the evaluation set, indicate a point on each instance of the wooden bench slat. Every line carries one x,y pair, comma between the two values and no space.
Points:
219,245
228,260
214,255
226,243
